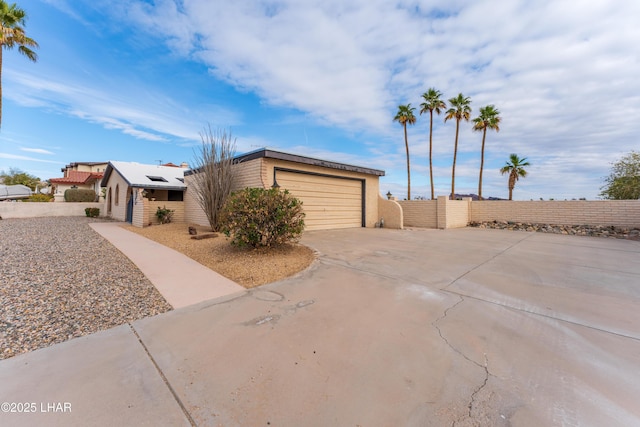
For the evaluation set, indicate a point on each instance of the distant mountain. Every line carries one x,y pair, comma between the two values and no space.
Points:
476,198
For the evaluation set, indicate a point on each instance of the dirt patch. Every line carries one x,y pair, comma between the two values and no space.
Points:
247,267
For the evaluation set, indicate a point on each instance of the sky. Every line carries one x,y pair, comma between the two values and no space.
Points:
134,80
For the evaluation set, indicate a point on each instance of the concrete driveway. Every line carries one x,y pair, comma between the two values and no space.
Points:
389,328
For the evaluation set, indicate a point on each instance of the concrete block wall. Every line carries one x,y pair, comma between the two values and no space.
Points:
419,213
177,207
622,213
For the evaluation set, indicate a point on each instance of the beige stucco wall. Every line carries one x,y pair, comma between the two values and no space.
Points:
622,213
371,182
457,212
32,210
419,213
118,211
391,212
90,168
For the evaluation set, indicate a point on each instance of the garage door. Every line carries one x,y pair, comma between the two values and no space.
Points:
328,202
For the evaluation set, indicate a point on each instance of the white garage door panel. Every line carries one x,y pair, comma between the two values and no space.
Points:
327,202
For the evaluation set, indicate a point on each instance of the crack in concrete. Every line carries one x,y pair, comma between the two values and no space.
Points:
479,389
485,367
487,261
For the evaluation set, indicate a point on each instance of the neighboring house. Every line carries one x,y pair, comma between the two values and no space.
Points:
75,179
86,175
129,184
84,167
334,195
14,192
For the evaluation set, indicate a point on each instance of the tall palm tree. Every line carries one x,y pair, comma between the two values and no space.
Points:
404,116
488,119
432,102
515,168
12,21
460,110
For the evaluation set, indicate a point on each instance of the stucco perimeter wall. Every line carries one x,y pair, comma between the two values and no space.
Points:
621,213
32,210
248,174
371,182
391,212
419,213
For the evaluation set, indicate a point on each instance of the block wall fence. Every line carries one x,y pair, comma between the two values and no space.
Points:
443,213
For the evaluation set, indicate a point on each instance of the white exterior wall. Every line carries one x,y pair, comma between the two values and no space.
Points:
33,209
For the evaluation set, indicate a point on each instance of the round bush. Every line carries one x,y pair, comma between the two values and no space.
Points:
257,217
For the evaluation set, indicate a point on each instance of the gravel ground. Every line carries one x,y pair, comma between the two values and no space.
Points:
247,267
59,279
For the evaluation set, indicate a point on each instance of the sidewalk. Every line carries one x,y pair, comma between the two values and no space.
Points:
181,280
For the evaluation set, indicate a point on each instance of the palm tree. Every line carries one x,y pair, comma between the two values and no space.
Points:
404,116
515,168
12,21
432,102
488,119
460,110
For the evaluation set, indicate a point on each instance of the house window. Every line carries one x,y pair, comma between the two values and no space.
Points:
117,194
156,178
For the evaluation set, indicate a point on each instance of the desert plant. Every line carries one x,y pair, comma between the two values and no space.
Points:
213,175
92,212
164,215
79,195
257,217
624,181
39,197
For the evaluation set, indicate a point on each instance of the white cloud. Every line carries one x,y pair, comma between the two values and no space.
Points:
30,159
563,75
36,150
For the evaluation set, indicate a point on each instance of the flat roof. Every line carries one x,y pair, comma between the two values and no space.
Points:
296,158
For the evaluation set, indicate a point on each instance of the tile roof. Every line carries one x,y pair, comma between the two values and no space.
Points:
77,177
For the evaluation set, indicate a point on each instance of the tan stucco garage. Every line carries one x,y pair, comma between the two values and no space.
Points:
334,195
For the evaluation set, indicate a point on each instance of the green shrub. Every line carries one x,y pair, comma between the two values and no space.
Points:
79,195
164,215
39,197
92,212
258,217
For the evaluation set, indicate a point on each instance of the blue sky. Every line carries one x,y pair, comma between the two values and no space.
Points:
139,80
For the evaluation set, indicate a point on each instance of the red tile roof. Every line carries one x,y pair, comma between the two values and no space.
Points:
77,177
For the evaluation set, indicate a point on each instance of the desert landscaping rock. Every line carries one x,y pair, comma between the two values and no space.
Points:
60,280
573,230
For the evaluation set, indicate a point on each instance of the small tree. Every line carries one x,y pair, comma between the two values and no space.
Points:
18,177
213,174
624,181
12,34
257,217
